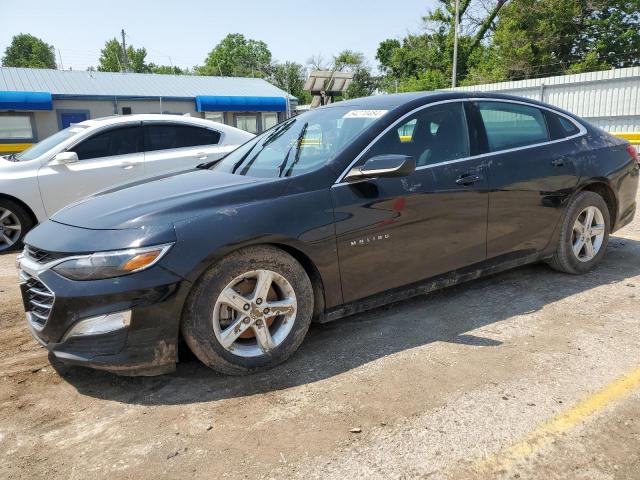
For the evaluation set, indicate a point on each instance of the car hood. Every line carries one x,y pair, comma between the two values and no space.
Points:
164,200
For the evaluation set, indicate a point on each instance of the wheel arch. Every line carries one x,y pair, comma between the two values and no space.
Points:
602,188
27,208
286,246
304,259
313,273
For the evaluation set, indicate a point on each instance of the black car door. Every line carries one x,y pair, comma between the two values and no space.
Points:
531,174
396,231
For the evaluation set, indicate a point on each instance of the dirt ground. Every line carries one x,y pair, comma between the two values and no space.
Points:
528,374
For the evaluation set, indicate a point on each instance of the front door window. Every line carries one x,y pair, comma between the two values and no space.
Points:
433,135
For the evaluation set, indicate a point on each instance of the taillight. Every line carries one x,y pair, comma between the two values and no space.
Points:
634,153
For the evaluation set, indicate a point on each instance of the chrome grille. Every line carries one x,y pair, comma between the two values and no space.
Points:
38,298
42,256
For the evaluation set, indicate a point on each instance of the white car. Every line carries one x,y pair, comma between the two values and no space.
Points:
98,154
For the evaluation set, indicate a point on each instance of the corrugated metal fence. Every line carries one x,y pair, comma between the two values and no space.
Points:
609,99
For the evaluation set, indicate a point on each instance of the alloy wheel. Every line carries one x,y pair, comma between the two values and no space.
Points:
588,234
10,228
254,313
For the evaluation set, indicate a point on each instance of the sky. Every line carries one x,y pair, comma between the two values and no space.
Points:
183,32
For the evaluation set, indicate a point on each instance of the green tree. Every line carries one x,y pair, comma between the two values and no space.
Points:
237,56
166,69
424,61
536,38
385,52
609,35
516,39
28,51
348,60
112,58
363,83
290,77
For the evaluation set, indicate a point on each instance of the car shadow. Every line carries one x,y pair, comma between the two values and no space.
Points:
444,316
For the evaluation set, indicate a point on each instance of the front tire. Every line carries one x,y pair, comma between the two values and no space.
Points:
249,312
584,235
15,222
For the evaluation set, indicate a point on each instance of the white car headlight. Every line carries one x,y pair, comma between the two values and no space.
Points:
103,265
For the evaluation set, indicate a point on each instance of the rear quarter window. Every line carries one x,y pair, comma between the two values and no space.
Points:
559,126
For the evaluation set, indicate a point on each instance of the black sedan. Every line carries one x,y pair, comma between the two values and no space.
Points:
340,209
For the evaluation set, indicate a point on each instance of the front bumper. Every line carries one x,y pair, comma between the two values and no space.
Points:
146,346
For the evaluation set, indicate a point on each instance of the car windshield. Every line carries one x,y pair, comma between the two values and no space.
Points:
48,143
299,145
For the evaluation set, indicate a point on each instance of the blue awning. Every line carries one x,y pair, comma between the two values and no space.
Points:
240,104
25,101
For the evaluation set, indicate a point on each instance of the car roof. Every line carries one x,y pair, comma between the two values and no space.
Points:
142,117
398,100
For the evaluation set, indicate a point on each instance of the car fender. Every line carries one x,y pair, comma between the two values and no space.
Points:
19,181
210,237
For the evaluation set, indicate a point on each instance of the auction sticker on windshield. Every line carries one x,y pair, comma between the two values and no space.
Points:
365,113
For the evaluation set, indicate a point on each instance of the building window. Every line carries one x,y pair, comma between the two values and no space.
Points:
214,116
248,123
269,120
16,127
68,117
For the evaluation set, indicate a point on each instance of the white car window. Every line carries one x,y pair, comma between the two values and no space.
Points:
49,143
116,141
164,137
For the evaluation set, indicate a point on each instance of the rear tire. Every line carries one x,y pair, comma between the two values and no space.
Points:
15,222
226,313
584,235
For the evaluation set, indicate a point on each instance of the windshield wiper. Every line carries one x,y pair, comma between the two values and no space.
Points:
208,165
298,151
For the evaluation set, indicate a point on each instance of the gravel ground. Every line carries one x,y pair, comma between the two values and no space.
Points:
444,386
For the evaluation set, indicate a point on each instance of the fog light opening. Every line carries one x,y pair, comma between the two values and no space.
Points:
99,325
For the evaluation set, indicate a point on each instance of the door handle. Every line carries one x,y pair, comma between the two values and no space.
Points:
201,155
128,165
468,179
558,162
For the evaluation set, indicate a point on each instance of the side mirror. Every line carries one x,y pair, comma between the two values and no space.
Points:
383,166
63,158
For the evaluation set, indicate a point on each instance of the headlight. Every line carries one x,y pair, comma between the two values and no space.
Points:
103,265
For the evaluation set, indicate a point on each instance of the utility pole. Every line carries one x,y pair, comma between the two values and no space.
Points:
60,58
454,73
125,59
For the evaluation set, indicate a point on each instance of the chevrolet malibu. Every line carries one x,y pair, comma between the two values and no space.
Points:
96,154
340,209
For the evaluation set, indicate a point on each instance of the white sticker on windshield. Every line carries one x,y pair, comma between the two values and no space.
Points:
365,113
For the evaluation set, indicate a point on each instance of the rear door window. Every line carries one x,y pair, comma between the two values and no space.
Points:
164,137
510,125
116,141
